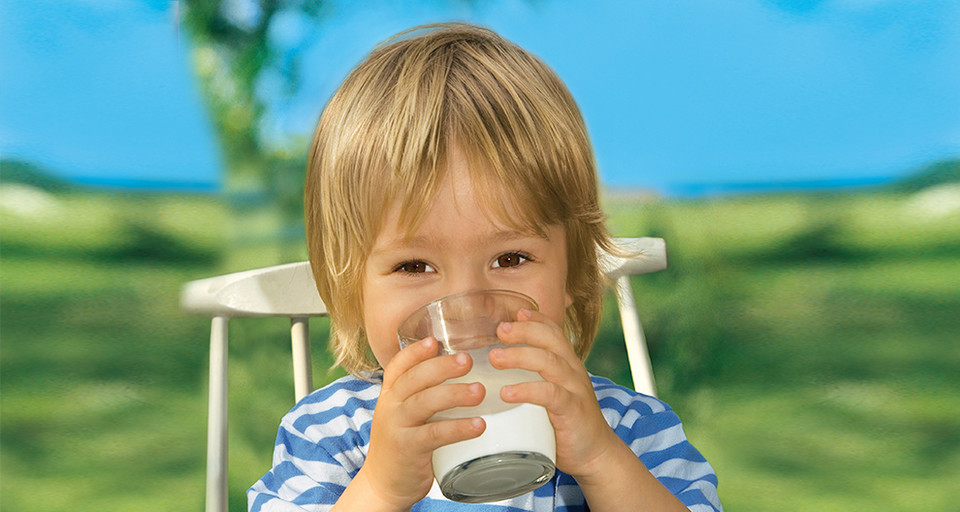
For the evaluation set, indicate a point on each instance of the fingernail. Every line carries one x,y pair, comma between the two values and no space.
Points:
461,359
525,312
506,326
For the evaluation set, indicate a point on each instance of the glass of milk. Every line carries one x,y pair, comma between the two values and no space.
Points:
517,451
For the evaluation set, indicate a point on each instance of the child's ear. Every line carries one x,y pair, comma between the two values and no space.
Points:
567,300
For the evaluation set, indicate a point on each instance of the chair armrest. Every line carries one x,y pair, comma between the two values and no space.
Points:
644,255
282,290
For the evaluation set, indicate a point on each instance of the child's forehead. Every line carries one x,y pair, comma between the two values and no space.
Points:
494,204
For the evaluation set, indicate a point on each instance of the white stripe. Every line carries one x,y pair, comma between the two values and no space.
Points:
294,486
618,394
629,418
339,426
705,508
348,461
277,505
682,468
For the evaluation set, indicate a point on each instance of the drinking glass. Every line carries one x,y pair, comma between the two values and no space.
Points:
517,451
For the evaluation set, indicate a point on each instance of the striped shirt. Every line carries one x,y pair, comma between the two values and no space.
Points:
322,443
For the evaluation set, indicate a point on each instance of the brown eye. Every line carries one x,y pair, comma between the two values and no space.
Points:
413,267
510,259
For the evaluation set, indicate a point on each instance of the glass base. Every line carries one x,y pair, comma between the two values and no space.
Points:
497,477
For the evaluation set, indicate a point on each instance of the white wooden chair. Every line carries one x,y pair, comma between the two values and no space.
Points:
289,291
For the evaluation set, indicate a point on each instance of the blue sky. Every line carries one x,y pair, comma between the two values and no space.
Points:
675,93
100,90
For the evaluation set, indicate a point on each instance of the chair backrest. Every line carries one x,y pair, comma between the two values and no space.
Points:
289,291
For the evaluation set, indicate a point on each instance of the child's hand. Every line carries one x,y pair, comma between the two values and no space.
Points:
610,475
583,435
398,468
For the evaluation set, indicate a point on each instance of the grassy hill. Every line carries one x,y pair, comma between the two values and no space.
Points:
808,342
27,173
938,173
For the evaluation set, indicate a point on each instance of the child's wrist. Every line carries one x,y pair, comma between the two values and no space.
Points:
612,454
360,495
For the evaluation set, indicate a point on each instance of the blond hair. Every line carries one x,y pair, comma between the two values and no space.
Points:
385,135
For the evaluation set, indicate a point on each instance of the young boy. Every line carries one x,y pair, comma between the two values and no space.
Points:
452,160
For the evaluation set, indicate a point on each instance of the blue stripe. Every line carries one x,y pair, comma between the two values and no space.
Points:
353,385
282,472
323,494
681,450
304,449
646,426
347,409
258,501
681,483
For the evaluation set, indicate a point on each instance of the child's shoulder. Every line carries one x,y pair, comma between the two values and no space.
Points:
618,399
347,398
645,423
344,388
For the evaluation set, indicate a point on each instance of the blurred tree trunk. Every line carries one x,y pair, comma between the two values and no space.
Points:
231,51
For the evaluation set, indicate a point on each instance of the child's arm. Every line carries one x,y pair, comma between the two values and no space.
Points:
398,471
610,475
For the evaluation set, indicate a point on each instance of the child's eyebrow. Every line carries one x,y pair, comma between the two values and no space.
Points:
422,241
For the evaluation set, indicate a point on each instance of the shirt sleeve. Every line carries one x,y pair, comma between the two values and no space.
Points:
310,480
320,447
653,431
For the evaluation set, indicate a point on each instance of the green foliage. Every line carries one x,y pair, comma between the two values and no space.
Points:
807,341
809,344
26,173
947,171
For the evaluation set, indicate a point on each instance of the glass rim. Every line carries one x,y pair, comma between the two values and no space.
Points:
459,295
478,291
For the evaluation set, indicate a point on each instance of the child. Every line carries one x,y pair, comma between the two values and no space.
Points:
452,160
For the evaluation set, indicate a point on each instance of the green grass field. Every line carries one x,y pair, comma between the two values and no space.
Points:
809,343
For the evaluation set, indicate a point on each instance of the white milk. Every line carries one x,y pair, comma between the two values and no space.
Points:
510,427
492,380
523,428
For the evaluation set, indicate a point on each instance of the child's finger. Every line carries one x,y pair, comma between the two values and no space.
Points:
536,333
545,394
428,373
409,357
547,331
423,405
551,366
441,433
